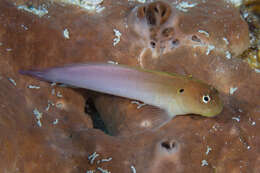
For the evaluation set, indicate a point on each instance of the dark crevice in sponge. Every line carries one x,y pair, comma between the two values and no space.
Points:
91,110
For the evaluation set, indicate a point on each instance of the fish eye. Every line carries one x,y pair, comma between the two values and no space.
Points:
153,44
181,90
206,98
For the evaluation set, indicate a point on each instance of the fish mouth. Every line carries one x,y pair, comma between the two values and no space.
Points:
213,113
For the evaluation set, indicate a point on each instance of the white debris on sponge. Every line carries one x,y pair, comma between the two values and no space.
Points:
103,170
59,105
204,32
204,163
236,3
139,105
104,160
24,27
183,6
33,87
90,171
236,118
66,33
55,121
133,169
59,94
50,103
226,40
112,62
41,11
232,90
228,55
140,1
12,81
208,150
38,116
210,48
118,36
92,157
52,91
91,5
99,9
253,123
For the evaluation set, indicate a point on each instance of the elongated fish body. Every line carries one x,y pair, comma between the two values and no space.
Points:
174,93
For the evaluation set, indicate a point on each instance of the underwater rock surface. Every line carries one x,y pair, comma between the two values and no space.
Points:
44,128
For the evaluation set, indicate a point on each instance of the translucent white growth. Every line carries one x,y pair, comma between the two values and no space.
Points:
226,40
204,163
183,6
228,55
12,81
112,62
210,48
59,105
208,150
52,91
117,39
99,9
41,11
50,103
91,5
204,32
66,33
133,169
38,116
24,27
55,121
59,94
139,105
104,160
90,171
232,90
236,118
236,3
33,87
103,170
141,1
92,157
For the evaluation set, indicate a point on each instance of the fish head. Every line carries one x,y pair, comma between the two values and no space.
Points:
199,98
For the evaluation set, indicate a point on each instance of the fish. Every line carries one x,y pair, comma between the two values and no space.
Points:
175,94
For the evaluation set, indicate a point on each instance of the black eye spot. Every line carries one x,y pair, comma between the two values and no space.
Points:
153,44
205,98
195,38
163,13
168,145
156,9
150,18
181,90
175,42
144,9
